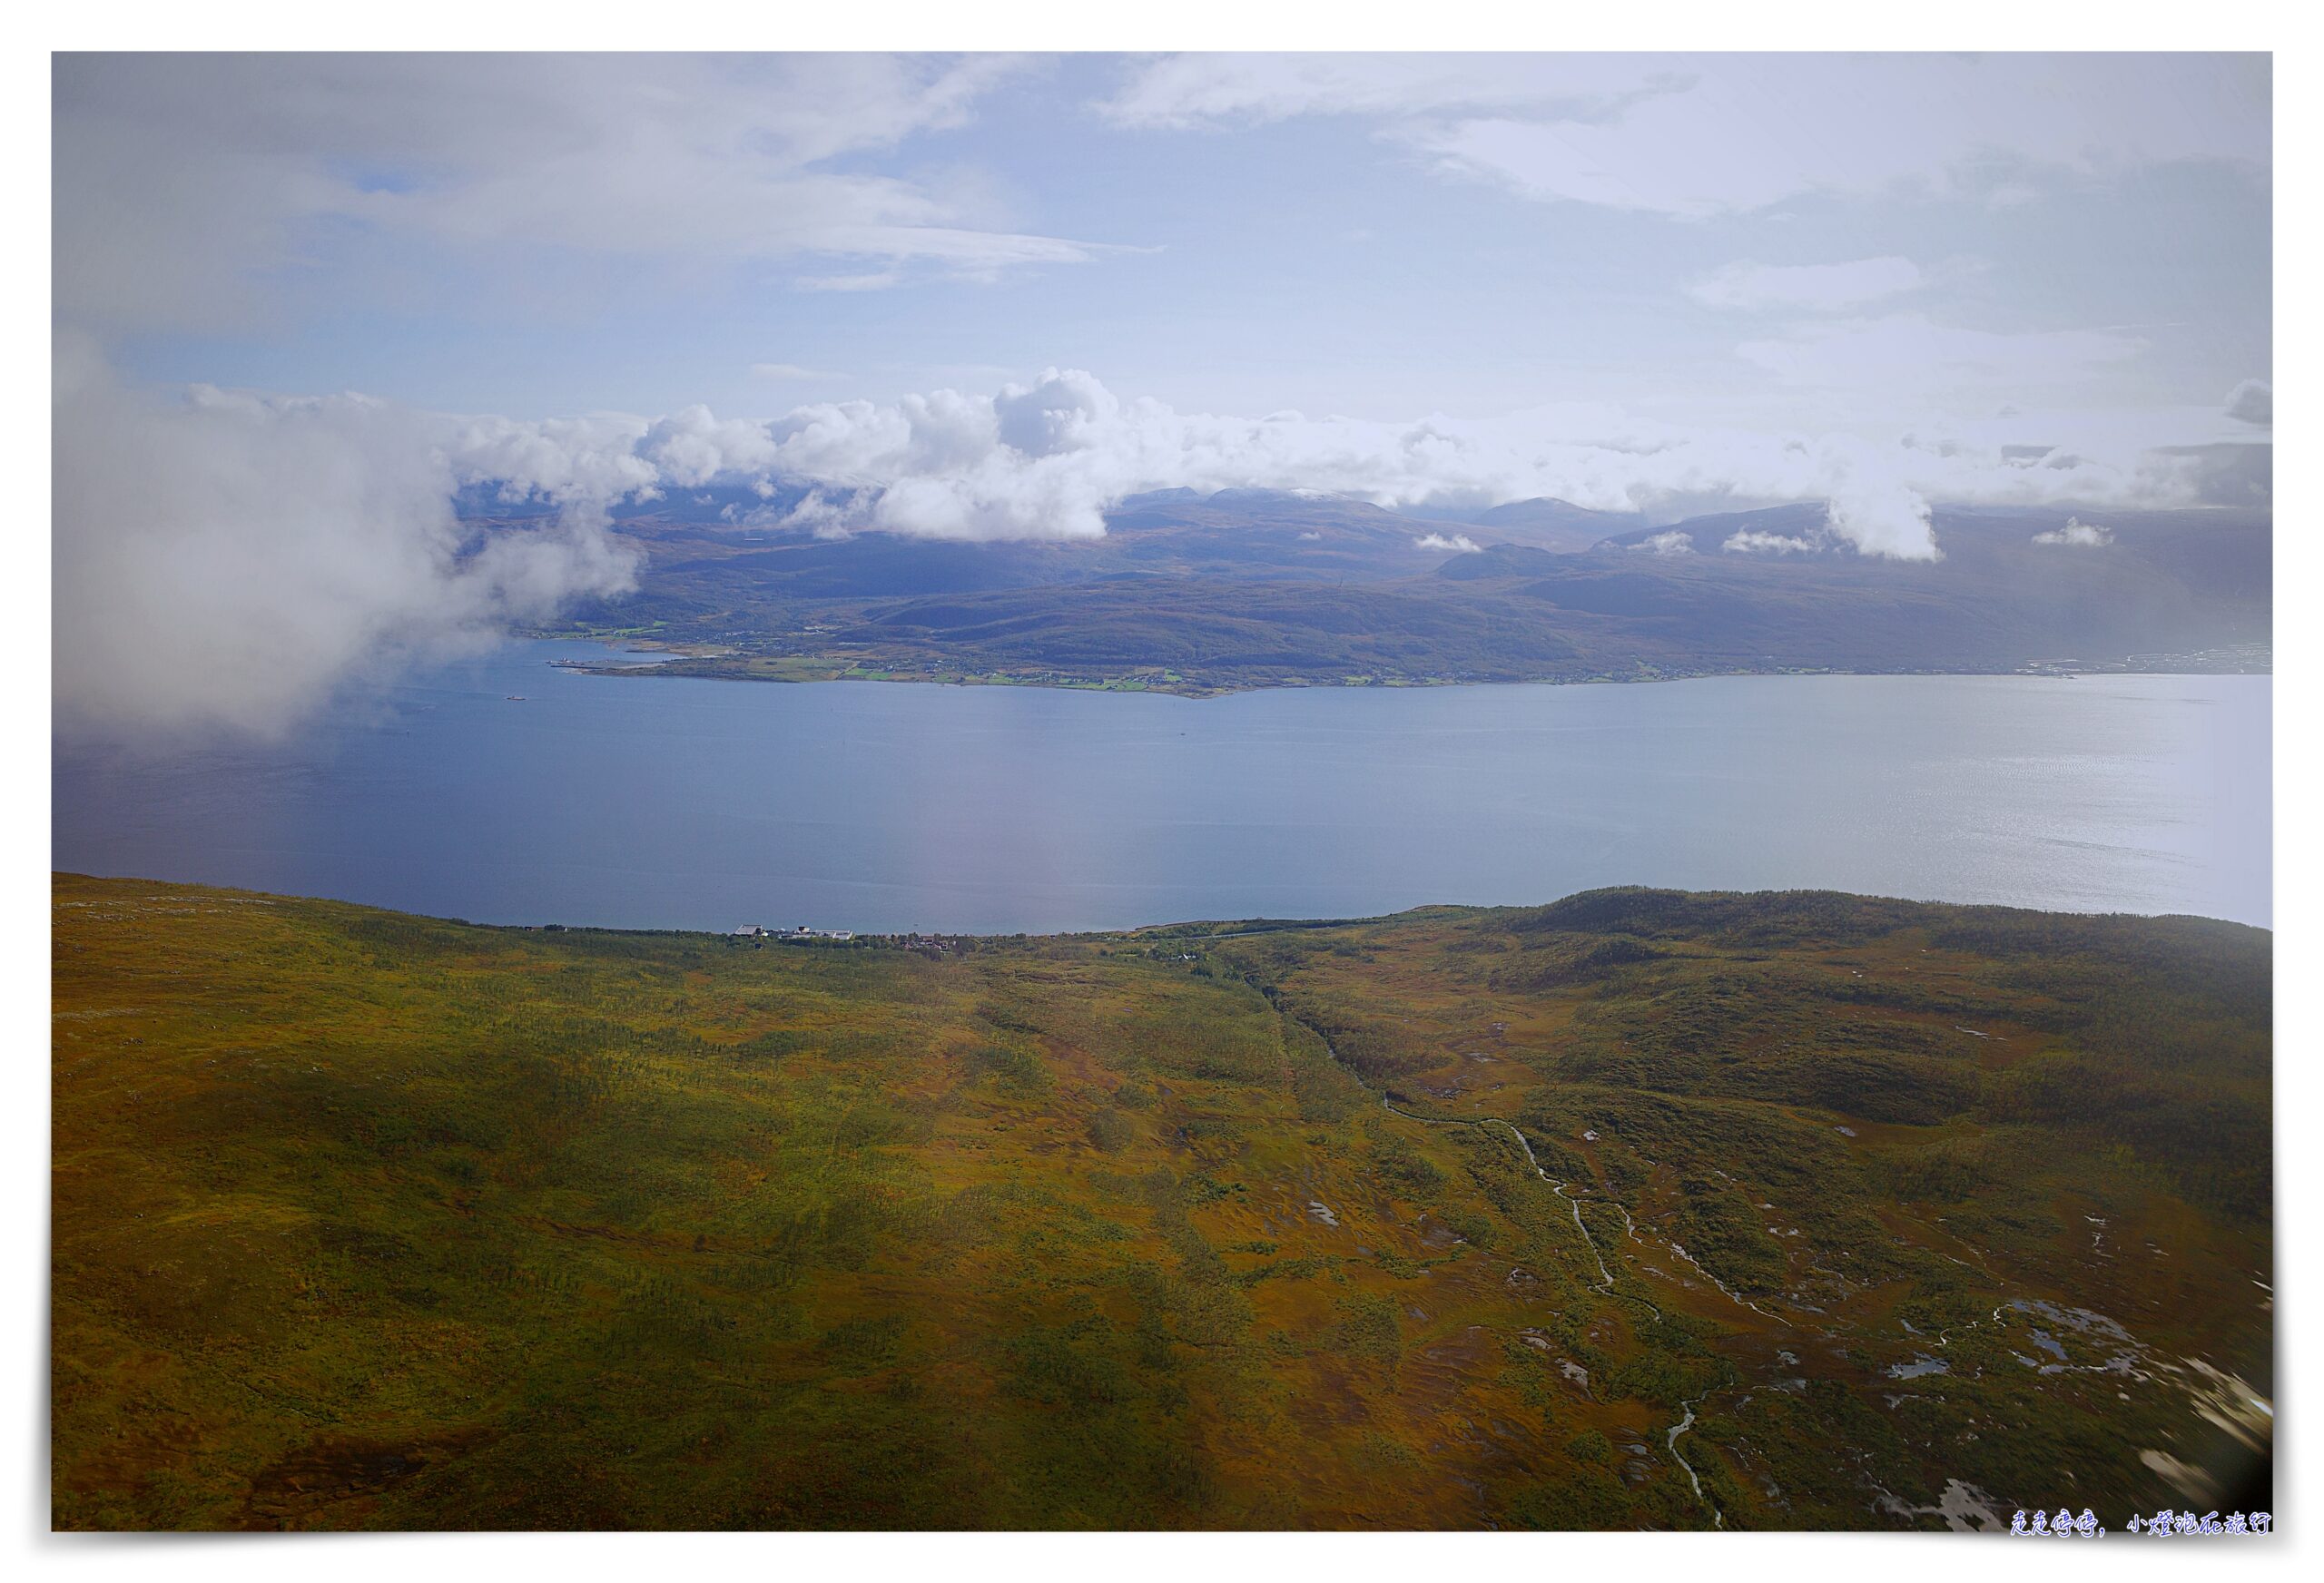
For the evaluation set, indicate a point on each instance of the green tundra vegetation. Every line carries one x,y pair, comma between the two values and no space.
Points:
1641,1209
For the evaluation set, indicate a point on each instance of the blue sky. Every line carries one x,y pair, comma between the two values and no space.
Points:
1297,247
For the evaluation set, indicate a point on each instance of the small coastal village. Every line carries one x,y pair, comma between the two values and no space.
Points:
755,935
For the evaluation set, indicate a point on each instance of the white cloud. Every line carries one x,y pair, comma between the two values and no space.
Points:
1045,458
590,462
2253,401
1907,351
874,280
2084,535
825,518
192,190
1751,541
1199,90
1666,543
1693,136
231,562
1459,543
1882,516
1821,287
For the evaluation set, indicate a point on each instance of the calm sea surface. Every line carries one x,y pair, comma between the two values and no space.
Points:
658,802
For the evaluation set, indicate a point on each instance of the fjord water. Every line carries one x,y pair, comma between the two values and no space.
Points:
661,803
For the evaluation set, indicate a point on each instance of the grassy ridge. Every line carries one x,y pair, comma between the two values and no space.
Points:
363,1220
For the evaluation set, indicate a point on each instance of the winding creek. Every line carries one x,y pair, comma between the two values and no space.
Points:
1605,1277
1605,1285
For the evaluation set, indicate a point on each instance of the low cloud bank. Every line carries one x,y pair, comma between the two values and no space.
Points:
231,561
225,562
1044,460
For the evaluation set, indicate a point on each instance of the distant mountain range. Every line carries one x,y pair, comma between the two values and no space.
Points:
1253,588
1548,524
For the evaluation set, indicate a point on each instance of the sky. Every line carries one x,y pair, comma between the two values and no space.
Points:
300,299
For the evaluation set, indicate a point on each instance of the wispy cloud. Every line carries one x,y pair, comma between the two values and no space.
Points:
191,190
1816,286
1693,136
871,281
1911,352
1195,91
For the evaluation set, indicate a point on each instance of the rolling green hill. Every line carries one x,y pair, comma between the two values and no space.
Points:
1639,1210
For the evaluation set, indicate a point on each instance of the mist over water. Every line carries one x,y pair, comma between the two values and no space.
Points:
697,805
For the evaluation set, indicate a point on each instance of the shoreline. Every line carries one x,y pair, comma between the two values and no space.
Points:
1191,932
799,669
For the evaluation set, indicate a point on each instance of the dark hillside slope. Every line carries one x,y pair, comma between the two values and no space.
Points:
1640,1209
